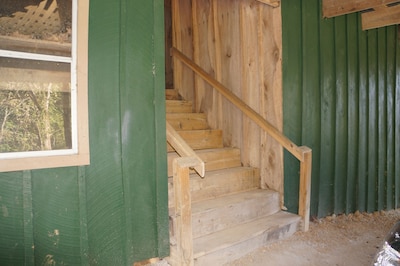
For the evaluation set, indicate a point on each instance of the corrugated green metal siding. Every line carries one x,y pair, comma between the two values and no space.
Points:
341,89
113,212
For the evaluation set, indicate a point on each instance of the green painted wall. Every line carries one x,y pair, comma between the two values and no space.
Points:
341,89
113,212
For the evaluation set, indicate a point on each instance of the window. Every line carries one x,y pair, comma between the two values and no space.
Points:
43,84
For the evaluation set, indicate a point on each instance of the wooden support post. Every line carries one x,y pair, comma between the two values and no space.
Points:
183,210
305,187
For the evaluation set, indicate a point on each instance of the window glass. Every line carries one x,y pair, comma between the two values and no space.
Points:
38,79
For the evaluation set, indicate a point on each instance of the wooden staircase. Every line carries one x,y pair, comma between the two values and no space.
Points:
231,215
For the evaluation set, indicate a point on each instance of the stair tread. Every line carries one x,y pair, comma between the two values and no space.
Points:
231,236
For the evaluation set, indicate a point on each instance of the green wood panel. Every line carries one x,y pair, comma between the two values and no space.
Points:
328,120
114,211
397,128
143,162
342,84
292,74
310,133
55,204
353,113
105,200
12,241
390,111
363,118
341,117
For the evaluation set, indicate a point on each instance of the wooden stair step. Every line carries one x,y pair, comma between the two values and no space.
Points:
187,121
214,159
201,139
218,183
175,106
210,216
230,244
172,94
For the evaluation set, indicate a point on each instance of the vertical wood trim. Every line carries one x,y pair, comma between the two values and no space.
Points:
305,187
217,98
84,239
182,39
250,81
176,42
271,101
183,210
28,218
198,88
161,171
397,124
391,113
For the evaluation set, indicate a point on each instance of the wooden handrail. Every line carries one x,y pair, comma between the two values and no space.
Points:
257,118
303,154
183,149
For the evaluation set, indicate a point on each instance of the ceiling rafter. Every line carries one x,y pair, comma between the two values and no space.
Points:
375,13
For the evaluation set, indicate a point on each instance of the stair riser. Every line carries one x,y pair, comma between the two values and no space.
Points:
173,106
215,219
219,183
214,159
239,250
201,139
187,121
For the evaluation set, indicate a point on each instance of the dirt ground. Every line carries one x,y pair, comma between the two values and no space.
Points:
336,240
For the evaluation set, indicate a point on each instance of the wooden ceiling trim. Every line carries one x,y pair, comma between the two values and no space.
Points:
273,3
381,16
333,8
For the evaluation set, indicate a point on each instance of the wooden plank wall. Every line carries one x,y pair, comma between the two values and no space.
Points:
239,43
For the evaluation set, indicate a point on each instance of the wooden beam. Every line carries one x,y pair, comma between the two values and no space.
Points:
380,17
333,8
8,74
183,210
273,3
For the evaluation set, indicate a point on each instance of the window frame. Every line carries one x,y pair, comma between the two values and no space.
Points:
79,153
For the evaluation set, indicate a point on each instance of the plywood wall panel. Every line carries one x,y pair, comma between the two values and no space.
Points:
239,43
182,39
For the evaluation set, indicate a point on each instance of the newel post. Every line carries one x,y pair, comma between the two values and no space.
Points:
183,210
305,187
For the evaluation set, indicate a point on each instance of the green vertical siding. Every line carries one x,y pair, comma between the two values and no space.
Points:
113,212
341,98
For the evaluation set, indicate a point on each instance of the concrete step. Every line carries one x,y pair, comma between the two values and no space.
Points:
232,243
219,183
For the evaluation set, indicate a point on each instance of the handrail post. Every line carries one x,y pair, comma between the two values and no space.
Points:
183,210
305,187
